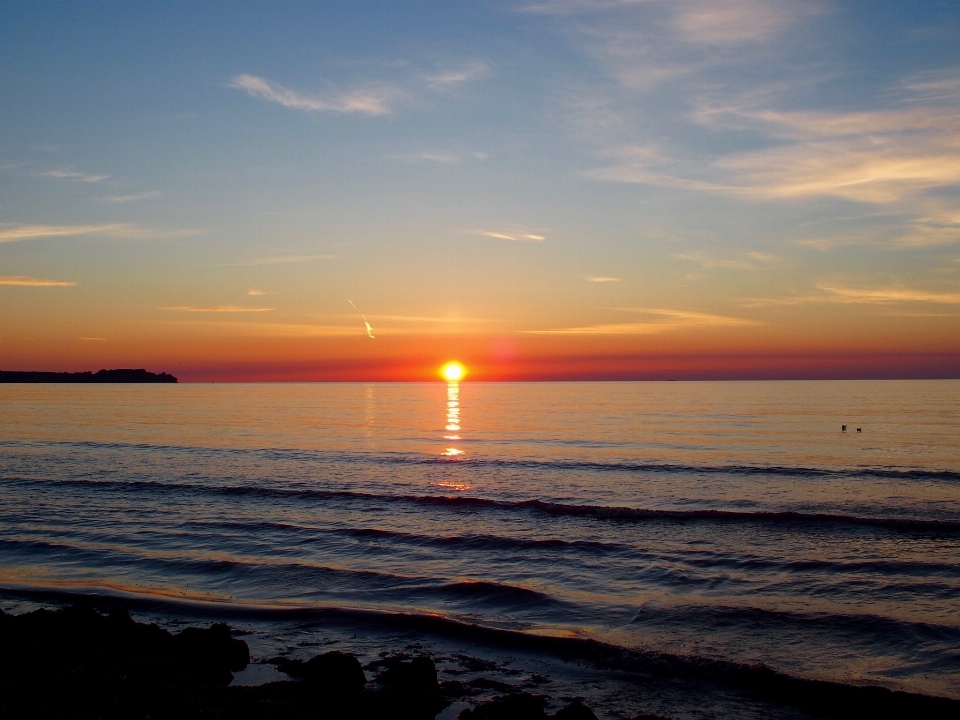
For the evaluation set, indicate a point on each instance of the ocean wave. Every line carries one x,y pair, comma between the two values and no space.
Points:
606,513
785,518
559,464
856,628
361,585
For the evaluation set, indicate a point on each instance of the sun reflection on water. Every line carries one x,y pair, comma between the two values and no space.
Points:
453,418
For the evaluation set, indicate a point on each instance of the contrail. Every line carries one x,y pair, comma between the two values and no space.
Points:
369,329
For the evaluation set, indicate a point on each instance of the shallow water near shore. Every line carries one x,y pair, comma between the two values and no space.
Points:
733,521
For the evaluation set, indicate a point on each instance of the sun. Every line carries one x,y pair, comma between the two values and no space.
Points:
453,371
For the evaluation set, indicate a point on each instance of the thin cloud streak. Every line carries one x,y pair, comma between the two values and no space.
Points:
369,101
18,233
871,156
892,295
699,22
273,330
514,235
451,79
24,281
373,99
754,261
434,157
118,199
284,259
216,309
425,319
668,320
603,279
838,295
68,174
734,23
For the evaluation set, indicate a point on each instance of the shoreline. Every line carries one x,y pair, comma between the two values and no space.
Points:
121,375
81,662
471,680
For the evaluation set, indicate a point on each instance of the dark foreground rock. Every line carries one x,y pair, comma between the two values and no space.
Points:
333,673
81,664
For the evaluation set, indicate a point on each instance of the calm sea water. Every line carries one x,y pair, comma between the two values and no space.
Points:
728,520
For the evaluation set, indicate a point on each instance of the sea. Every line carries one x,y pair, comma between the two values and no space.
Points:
637,544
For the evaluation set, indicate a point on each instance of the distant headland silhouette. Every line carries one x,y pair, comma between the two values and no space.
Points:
124,375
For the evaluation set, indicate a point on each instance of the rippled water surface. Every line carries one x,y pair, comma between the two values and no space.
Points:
727,520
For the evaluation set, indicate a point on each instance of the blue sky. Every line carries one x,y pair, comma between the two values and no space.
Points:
570,177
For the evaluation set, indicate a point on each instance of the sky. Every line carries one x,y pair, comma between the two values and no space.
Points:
567,189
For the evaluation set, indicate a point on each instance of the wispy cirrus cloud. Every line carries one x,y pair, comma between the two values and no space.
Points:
119,199
440,158
603,279
712,22
867,169
735,22
512,234
16,233
938,223
427,319
841,295
938,85
25,281
216,309
286,259
11,232
662,320
925,223
904,150
752,260
369,100
883,296
71,174
451,79
864,170
266,329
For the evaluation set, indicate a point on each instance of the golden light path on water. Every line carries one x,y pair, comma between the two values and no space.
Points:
453,418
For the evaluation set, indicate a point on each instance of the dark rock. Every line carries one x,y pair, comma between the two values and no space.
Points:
78,663
335,673
418,676
575,711
213,652
409,689
521,706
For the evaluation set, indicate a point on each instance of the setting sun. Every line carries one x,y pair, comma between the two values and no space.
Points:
453,371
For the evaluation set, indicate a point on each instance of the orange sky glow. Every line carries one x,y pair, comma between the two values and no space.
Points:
577,190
